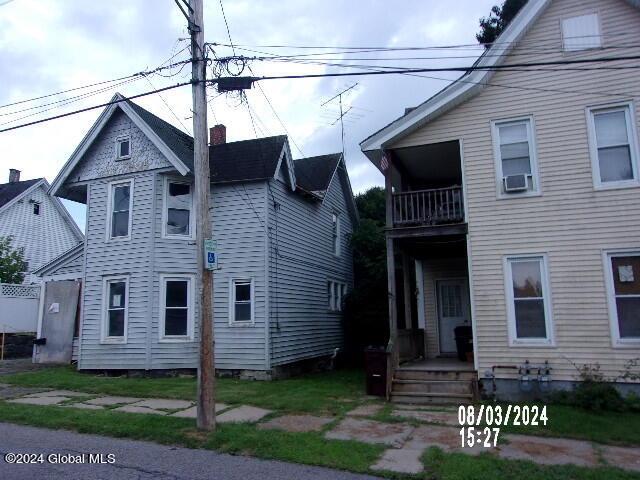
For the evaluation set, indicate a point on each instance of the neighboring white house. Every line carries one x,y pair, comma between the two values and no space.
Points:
514,200
37,221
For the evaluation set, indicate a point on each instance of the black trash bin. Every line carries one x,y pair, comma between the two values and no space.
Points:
464,341
376,360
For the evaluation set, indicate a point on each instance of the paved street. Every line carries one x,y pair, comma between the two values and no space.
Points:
140,460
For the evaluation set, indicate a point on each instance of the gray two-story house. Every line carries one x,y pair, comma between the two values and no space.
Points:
282,230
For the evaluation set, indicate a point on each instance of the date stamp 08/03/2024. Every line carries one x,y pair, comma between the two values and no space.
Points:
481,425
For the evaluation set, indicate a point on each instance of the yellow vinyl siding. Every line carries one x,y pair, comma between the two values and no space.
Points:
571,222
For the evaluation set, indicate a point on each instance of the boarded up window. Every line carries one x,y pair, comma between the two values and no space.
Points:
581,33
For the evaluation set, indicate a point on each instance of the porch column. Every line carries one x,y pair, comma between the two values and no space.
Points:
391,269
406,285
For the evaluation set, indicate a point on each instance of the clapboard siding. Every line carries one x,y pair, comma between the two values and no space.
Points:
301,261
571,222
43,236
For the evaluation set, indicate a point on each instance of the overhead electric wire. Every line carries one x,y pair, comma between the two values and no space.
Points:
55,117
227,25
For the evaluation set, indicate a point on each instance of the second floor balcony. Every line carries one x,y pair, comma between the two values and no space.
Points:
438,206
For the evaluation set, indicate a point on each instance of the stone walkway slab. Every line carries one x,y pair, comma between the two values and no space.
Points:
60,393
112,400
134,409
446,438
13,391
39,400
164,403
85,406
401,460
243,414
627,458
296,423
371,431
193,411
549,451
365,410
448,418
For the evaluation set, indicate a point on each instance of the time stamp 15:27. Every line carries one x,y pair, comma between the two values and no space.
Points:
481,425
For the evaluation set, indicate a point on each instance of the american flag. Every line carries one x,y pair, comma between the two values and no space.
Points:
384,163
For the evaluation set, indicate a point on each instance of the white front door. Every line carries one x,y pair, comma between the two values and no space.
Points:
453,311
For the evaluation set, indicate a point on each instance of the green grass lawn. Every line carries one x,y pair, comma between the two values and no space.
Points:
327,393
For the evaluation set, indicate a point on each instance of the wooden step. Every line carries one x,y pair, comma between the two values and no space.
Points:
431,398
433,386
415,374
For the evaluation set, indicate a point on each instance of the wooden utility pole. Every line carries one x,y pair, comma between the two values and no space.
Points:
206,370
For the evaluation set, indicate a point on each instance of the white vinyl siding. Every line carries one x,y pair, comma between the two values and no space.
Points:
515,155
120,208
176,308
528,300
614,146
581,33
115,309
178,219
241,301
623,288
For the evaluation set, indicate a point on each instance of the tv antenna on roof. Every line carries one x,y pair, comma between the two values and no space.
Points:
342,112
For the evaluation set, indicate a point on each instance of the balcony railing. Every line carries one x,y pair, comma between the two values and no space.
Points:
428,207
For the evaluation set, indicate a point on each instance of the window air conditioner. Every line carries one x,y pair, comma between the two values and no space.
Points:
516,183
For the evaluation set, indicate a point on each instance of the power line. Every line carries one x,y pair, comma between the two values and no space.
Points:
168,107
227,25
97,106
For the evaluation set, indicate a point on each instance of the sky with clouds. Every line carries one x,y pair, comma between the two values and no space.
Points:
47,46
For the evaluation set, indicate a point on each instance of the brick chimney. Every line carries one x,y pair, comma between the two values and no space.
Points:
218,134
14,175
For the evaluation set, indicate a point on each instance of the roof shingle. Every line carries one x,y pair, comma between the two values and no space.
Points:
9,191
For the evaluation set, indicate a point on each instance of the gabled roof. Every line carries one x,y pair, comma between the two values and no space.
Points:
11,193
465,87
314,174
246,160
11,190
60,260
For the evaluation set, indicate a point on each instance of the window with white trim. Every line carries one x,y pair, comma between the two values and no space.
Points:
123,148
528,300
335,233
336,292
515,155
581,33
116,306
241,301
119,217
614,148
176,307
178,200
624,297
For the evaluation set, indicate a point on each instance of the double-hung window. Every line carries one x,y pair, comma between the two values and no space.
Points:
115,309
515,156
120,203
241,301
176,307
178,209
623,273
335,233
528,300
335,295
123,148
614,148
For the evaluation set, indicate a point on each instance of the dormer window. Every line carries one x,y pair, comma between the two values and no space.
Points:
123,148
581,33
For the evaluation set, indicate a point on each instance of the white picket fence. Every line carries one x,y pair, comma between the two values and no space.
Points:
19,307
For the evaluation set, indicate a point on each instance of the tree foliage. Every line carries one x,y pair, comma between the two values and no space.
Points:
499,18
366,307
11,261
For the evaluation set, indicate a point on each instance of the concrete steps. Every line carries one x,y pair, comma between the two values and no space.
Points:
432,386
